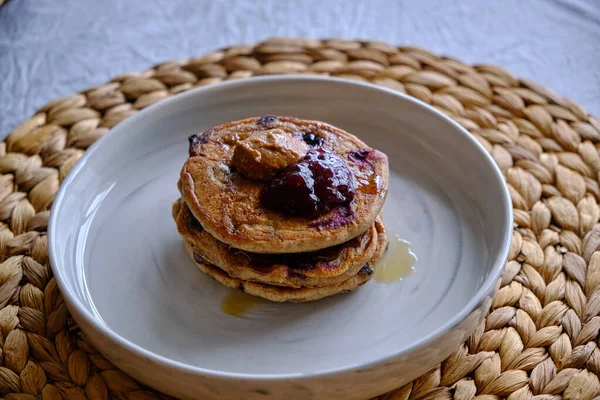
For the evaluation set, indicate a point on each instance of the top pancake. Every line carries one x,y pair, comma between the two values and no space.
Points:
227,204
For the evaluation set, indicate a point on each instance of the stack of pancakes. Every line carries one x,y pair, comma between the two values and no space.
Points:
235,239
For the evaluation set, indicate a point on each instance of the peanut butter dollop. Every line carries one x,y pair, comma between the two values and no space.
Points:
263,154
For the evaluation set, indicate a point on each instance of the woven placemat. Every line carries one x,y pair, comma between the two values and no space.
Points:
540,340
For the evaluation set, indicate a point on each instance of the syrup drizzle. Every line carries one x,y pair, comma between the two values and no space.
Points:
237,303
368,180
397,263
370,185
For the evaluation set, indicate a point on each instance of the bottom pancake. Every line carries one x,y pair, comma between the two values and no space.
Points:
295,295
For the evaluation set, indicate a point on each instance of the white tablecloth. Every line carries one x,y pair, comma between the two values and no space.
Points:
51,48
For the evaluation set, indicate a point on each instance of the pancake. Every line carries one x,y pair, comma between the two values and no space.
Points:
227,204
294,295
382,242
315,269
282,294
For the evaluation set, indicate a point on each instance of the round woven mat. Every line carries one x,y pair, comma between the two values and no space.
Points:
540,340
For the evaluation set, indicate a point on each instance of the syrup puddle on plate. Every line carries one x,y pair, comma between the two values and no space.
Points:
237,303
397,263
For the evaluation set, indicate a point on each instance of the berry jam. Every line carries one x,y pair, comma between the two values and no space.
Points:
320,182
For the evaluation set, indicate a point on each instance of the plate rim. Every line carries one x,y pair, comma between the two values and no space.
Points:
72,300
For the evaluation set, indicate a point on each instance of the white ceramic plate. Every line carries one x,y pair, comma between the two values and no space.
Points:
130,284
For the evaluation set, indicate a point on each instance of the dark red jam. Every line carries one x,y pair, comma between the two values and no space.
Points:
320,182
342,216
